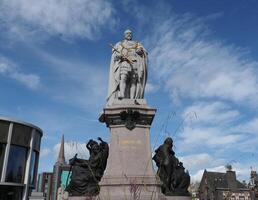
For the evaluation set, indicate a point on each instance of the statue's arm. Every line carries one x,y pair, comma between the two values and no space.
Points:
116,52
103,144
140,50
88,146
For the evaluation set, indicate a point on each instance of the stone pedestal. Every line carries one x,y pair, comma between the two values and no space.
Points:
129,173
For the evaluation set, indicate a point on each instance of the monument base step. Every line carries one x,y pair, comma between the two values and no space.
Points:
131,197
83,198
178,198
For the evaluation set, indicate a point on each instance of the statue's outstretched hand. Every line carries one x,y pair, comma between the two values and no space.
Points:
100,139
73,160
139,51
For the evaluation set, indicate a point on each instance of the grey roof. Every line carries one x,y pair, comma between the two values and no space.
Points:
22,123
219,180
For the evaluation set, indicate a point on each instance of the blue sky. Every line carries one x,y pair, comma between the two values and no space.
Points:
203,73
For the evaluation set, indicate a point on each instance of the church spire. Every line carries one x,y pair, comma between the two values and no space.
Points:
61,156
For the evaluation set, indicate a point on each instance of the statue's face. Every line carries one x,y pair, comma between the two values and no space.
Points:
169,142
128,35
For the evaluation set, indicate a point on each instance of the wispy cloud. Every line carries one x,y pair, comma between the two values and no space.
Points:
71,148
151,88
70,19
45,152
210,138
192,64
212,113
78,83
12,70
200,161
250,126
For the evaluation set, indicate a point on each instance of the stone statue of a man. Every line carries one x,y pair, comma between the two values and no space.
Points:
128,70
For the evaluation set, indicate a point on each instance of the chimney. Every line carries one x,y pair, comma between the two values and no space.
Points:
231,179
61,156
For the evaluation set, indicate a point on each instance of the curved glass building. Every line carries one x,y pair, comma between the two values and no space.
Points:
19,156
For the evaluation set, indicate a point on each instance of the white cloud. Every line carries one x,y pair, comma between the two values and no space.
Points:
248,127
71,19
195,162
208,137
212,113
193,65
71,148
11,70
151,88
45,152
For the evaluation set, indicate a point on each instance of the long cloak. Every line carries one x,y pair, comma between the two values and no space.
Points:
114,75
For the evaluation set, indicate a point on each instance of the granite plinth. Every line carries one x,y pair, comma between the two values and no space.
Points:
129,173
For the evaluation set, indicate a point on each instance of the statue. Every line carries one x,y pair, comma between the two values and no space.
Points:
175,181
128,70
86,174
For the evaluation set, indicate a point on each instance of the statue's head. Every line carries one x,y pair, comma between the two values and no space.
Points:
92,143
128,34
168,141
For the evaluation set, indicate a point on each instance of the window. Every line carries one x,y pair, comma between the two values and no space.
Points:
2,152
37,140
4,128
21,135
10,193
34,161
16,164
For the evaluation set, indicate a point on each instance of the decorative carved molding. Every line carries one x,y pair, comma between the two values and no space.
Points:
129,117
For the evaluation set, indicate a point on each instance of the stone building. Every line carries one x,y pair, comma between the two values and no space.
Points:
44,184
60,172
253,185
222,186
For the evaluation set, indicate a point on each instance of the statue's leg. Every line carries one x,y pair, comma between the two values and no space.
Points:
122,86
133,85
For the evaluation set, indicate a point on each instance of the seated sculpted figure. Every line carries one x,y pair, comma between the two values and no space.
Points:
86,174
175,181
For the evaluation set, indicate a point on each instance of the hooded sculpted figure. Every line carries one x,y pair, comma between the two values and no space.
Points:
175,180
128,70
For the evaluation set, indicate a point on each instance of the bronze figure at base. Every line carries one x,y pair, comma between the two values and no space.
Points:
86,174
175,181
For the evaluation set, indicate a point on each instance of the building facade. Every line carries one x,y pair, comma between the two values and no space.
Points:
44,184
253,185
222,186
60,172
19,156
